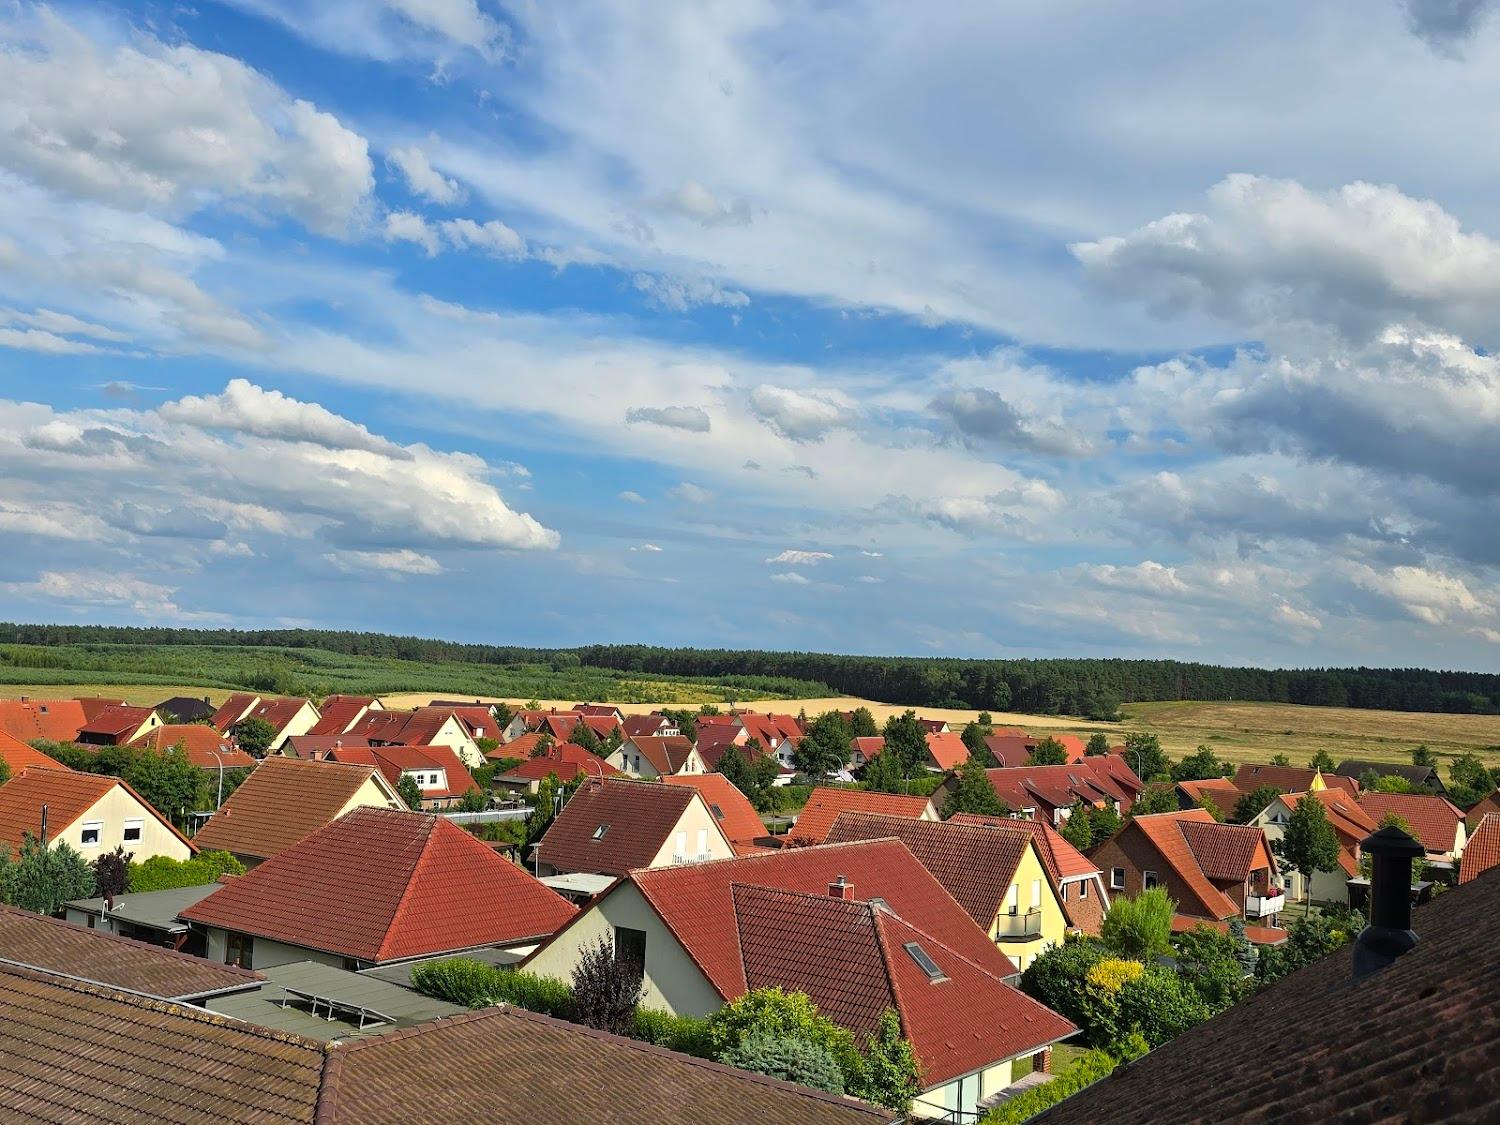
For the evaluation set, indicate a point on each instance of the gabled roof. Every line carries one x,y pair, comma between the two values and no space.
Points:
116,721
82,1052
1013,748
62,947
868,745
278,710
1476,813
1349,820
644,725
718,736
200,743
93,705
67,795
566,759
1225,852
764,728
855,960
477,717
234,707
1198,850
974,863
284,800
19,756
1482,851
1434,820
339,713
1219,790
381,885
1416,1041
522,746
1417,775
1289,779
946,750
1061,859
637,819
404,728
393,761
536,1068
57,720
1095,781
597,710
826,803
732,809
666,755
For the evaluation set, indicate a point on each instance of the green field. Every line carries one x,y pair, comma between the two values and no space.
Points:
47,669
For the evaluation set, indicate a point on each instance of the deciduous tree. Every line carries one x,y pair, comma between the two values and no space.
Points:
1322,760
1144,754
606,990
409,792
1309,843
1139,927
973,792
1098,744
1078,828
254,736
1201,765
1159,797
905,739
824,749
41,879
1048,752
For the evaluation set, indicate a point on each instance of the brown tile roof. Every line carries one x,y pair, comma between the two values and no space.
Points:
79,1052
544,1070
731,808
235,705
57,720
62,947
200,743
1289,779
116,721
1434,820
1225,852
851,958
1062,859
1482,852
826,803
19,756
1013,748
522,746
339,713
393,761
975,863
666,755
1168,834
1219,790
566,759
946,750
284,800
93,705
381,885
1490,804
407,728
1349,820
1416,1041
638,726
638,818
67,795
1097,780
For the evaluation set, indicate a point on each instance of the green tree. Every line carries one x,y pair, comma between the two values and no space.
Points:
905,739
1470,781
890,1075
606,990
824,749
41,879
1418,865
973,792
543,808
1141,927
1280,760
1144,754
1078,828
409,792
583,735
1057,976
792,1060
111,873
1393,783
1104,822
1159,1005
1201,765
1209,963
169,783
1322,760
862,724
786,1015
1048,752
1310,939
974,736
1309,843
1244,950
1158,797
1422,756
1253,803
474,799
4,771
1098,744
254,736
883,774
1206,803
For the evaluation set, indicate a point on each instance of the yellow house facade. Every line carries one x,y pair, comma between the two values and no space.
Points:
1031,919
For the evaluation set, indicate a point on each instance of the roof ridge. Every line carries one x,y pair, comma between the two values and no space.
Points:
424,847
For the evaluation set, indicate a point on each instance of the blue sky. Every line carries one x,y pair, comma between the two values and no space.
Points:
1025,329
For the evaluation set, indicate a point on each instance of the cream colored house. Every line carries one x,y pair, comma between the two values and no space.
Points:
612,827
1350,823
651,757
92,813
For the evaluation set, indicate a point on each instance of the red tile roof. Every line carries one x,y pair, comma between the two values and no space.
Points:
597,710
1349,820
1098,780
1219,790
975,863
731,808
1225,852
666,755
946,751
19,756
868,745
824,806
1434,820
565,759
200,743
284,800
278,710
117,721
764,728
393,761
1062,859
645,725
638,818
67,795
403,728
852,960
1198,850
477,717
719,736
522,746
1483,849
57,720
381,885
1013,748
1476,813
1289,779
339,713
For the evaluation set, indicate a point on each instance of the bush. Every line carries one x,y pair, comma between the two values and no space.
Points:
606,991
161,873
1099,1000
1158,1005
1056,978
787,1015
473,984
1140,927
687,1034
795,1060
891,1075
1082,1072
1213,964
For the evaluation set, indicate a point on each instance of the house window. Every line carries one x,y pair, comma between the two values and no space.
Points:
1011,897
630,949
600,831
1117,879
703,841
1036,893
925,962
1083,891
239,950
133,829
91,830
1148,879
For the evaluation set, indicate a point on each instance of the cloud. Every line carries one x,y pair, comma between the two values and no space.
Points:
1446,24
1429,596
408,226
800,416
36,340
800,558
869,579
985,419
873,554
387,30
791,578
693,419
650,548
96,589
1012,512
63,324
422,179
632,497
681,294
694,201
691,493
492,237
245,408
397,563
170,127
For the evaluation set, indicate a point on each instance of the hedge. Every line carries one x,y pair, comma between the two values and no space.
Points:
1084,1071
162,873
473,984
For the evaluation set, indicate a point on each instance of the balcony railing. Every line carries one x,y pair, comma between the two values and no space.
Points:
1258,905
1019,927
678,859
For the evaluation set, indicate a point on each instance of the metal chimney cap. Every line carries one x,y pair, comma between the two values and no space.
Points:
1391,841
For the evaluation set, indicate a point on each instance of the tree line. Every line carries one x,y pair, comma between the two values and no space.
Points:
1087,687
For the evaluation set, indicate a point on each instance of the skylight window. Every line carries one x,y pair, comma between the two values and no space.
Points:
600,831
924,962
718,812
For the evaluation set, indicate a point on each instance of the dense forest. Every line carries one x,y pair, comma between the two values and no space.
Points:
1078,687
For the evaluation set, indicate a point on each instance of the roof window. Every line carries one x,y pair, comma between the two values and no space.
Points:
600,831
925,962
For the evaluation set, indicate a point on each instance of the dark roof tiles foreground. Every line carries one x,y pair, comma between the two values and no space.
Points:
612,827
62,947
535,1068
380,885
1417,1041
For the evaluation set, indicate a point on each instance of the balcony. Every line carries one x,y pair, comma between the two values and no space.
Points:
678,859
1019,927
1258,904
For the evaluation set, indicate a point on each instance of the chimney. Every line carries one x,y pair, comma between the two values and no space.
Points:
1389,933
841,888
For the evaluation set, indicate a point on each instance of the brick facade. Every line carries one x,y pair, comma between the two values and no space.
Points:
1085,911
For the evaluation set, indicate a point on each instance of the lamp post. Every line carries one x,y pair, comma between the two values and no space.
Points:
220,760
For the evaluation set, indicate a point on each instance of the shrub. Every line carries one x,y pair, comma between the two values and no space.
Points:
161,873
1099,1000
605,990
795,1060
1140,927
687,1034
788,1015
473,984
1158,1005
1212,964
891,1075
1056,978
1082,1072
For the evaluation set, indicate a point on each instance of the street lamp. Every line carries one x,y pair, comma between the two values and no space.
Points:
220,760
